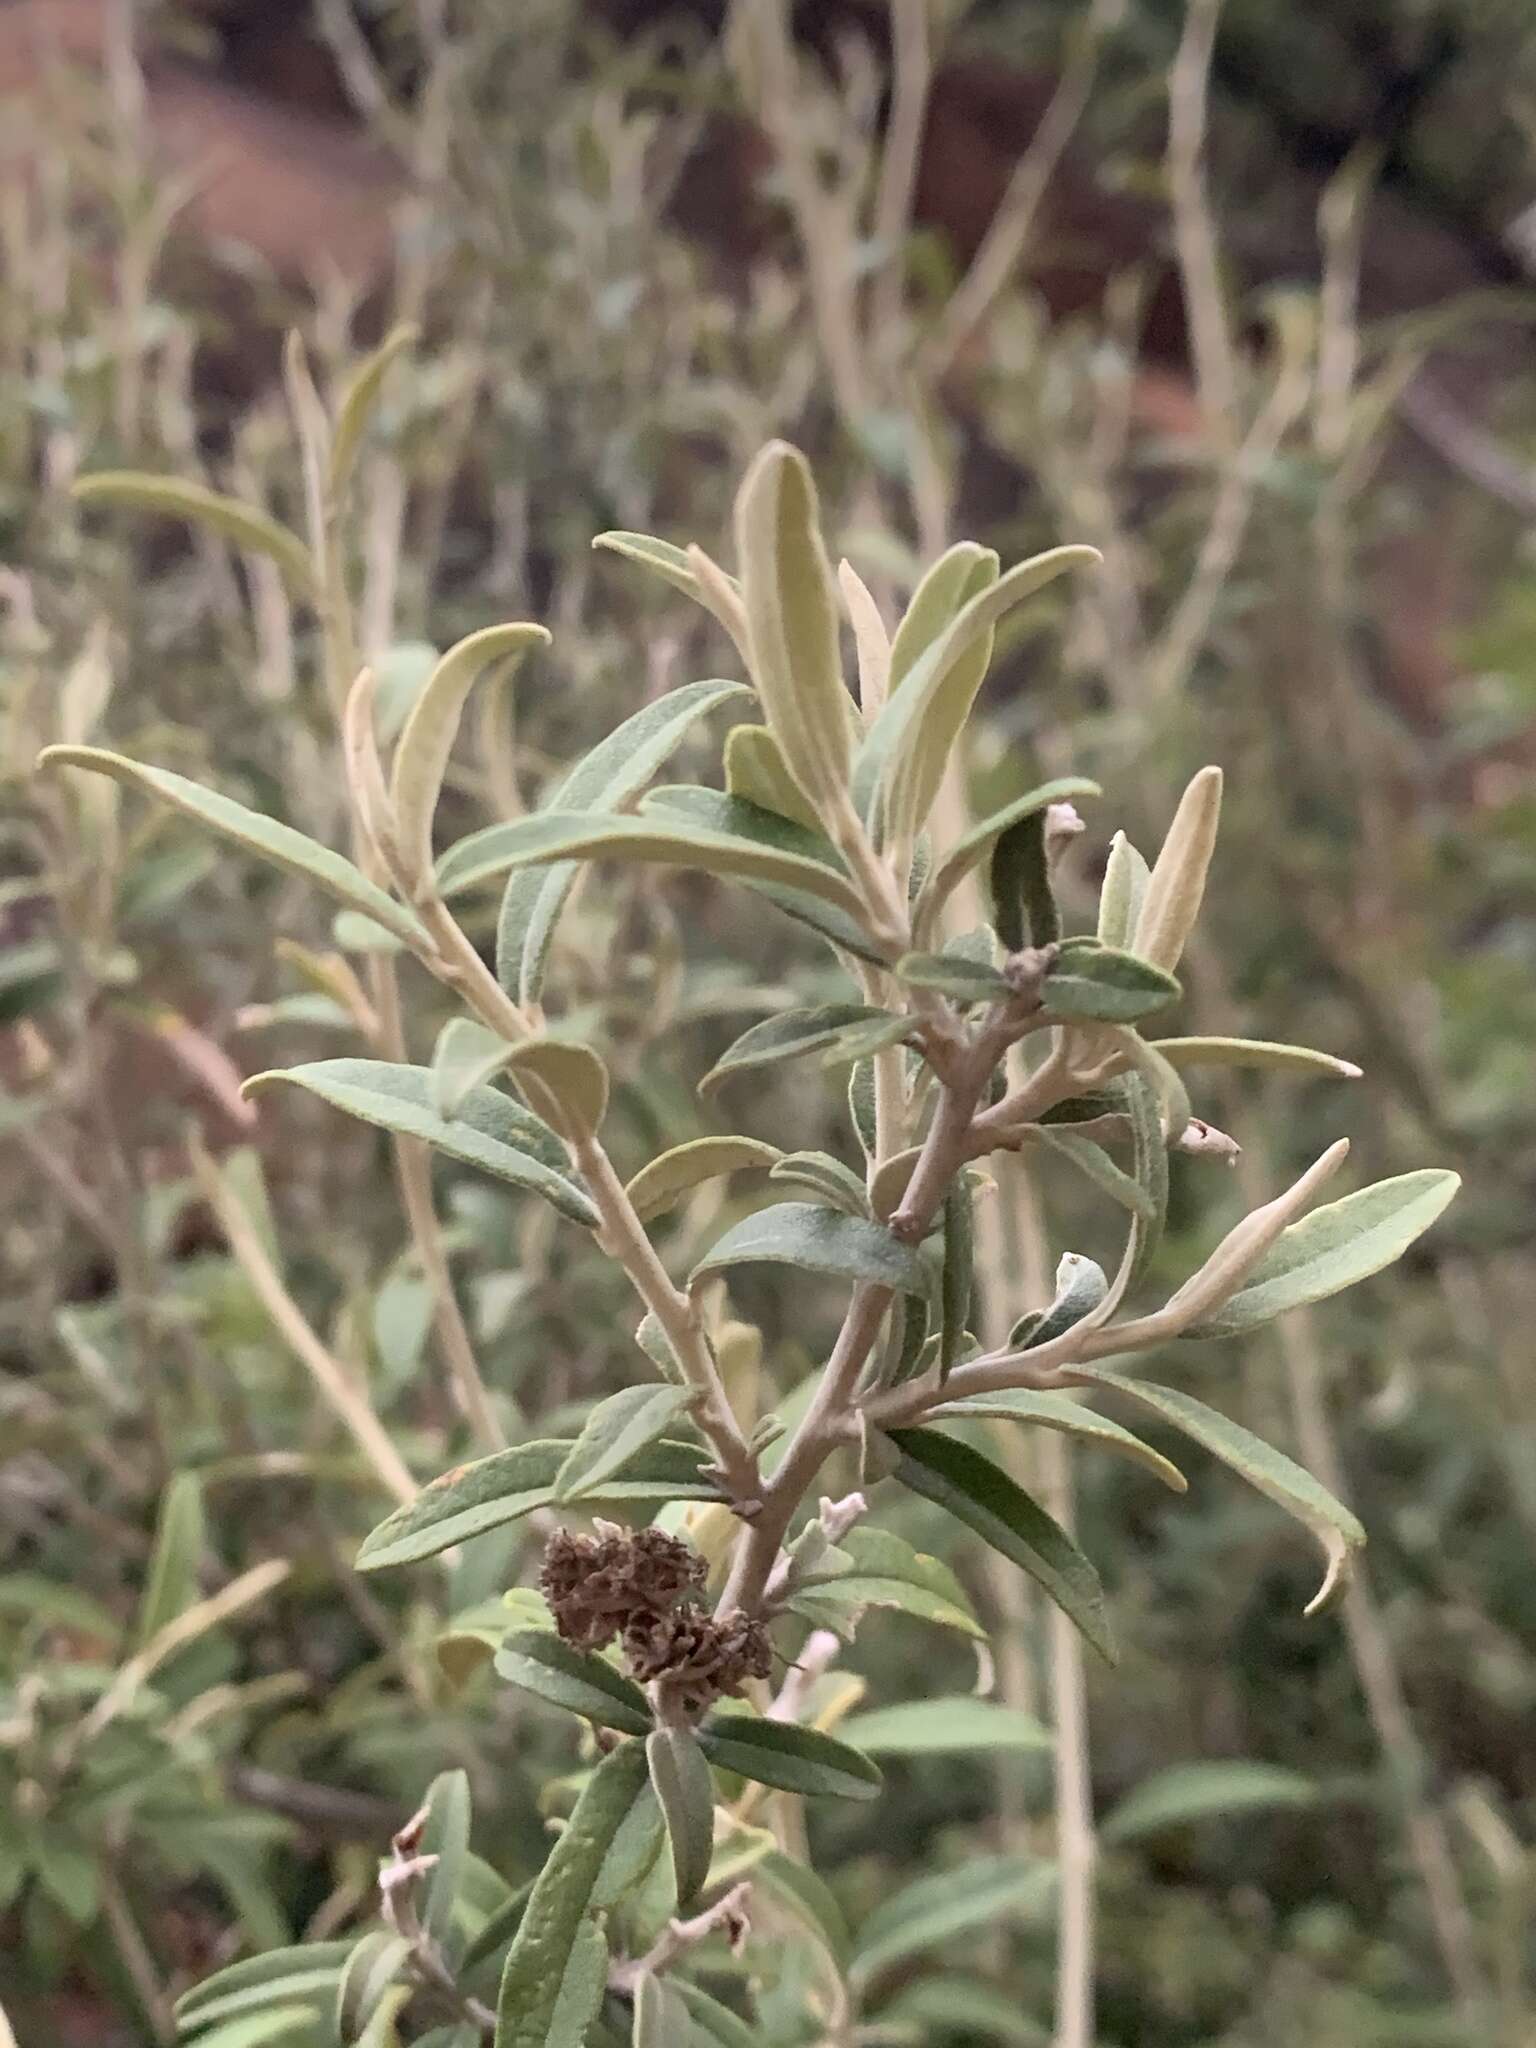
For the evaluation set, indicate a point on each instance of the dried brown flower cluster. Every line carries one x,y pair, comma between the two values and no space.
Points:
644,1590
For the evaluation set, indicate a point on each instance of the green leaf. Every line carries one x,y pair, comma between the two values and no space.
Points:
1149,1168
171,1582
489,1129
685,1791
1177,882
465,1057
987,1500
291,851
555,1671
710,811
789,1035
615,1433
359,400
935,1910
1123,892
828,1177
967,981
374,1966
1253,1052
426,741
675,566
1274,1474
792,620
1080,1287
1094,1162
945,1727
1334,1247
1060,1411
1102,985
954,2008
718,2024
1023,904
788,1757
632,1853
887,1572
475,1498
756,770
956,1279
446,1836
259,1983
901,763
1187,1793
603,780
557,1967
945,586
818,1240
275,2023
655,836
807,1896
174,497
661,2018
568,1080
662,1183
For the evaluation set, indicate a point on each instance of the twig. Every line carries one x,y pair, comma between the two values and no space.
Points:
1194,234
911,76
1076,1848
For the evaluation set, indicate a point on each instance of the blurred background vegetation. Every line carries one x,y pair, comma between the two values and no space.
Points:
1242,295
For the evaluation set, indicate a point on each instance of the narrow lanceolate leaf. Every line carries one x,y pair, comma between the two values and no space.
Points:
655,838
981,1495
426,741
792,621
948,2003
1177,884
1023,905
1333,1248
755,768
945,587
871,641
788,1757
1274,1474
539,1662
976,845
567,1081
359,401
709,810
882,1570
721,594
1185,1794
175,498
1080,1287
662,1184
559,1958
465,1057
616,1431
279,844
797,1886
171,1584
1254,1052
952,974
489,1129
958,1272
790,1035
1095,1164
1149,1169
279,1977
661,2018
685,1790
1102,985
374,1966
901,763
633,1852
446,1836
945,1727
952,1903
1044,1410
603,780
1122,892
827,1177
491,1492
818,1240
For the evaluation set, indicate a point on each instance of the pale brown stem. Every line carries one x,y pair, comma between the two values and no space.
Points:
1194,234
1076,1846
